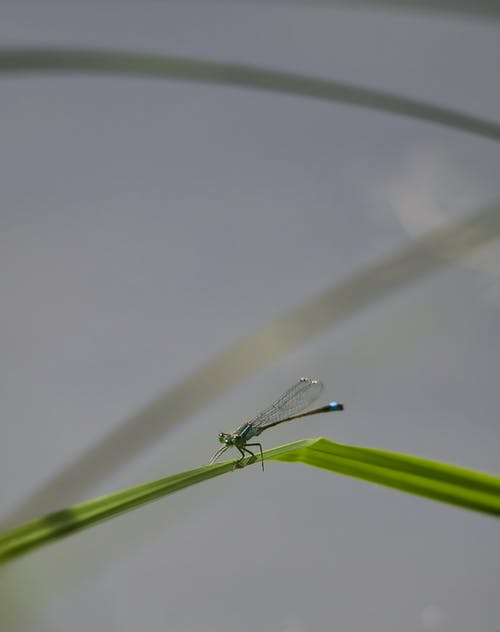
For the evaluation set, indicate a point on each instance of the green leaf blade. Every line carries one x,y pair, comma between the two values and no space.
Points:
59,524
439,481
14,61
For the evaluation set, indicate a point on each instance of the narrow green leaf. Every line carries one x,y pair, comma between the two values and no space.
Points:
59,524
440,481
71,60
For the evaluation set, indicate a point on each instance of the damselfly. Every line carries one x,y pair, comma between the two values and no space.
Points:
289,406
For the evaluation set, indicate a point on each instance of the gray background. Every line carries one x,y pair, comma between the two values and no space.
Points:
147,225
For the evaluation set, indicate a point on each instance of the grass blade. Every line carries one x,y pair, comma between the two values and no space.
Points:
72,60
439,481
59,524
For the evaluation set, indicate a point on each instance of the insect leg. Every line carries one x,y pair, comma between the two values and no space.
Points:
260,448
242,451
218,453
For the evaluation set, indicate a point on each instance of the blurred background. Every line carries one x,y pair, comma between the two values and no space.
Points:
174,254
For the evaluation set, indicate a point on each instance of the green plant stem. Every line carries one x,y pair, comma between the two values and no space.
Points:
71,60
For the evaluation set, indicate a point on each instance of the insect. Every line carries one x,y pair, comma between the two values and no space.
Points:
288,406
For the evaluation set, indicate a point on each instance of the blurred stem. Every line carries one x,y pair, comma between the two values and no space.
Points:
15,61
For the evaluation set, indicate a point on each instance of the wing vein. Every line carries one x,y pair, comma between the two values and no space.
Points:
296,399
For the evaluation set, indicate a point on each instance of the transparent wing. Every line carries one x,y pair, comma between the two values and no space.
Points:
296,399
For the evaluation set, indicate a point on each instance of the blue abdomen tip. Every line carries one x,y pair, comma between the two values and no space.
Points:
336,406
